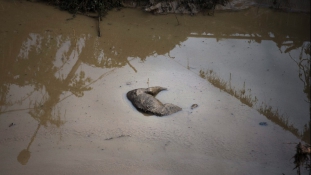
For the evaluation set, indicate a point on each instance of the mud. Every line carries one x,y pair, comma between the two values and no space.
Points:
64,89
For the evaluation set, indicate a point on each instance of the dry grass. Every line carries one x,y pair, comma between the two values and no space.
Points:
246,98
211,77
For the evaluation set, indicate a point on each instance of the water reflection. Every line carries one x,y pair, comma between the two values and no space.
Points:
44,71
25,154
288,34
48,67
303,64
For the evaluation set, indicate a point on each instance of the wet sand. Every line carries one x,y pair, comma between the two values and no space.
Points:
63,88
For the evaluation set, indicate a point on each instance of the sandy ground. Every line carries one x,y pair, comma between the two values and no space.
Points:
71,115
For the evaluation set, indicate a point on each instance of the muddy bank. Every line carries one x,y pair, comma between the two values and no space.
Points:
192,7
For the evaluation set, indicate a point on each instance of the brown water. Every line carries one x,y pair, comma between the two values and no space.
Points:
63,88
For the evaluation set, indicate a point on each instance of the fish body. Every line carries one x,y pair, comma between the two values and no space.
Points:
144,100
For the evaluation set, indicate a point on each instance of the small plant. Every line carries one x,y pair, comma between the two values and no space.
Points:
302,157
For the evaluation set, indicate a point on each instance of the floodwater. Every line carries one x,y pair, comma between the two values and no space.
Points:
63,108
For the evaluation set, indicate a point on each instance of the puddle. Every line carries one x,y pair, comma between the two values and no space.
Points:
63,108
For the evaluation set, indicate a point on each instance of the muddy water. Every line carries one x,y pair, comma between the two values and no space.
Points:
64,110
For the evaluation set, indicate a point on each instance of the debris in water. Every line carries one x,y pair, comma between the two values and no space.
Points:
263,123
12,124
110,138
194,106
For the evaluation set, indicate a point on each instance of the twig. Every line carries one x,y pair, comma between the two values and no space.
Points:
176,17
110,138
99,34
99,18
213,8
291,143
175,13
131,66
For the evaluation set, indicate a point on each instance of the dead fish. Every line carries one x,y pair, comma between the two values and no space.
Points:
144,100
